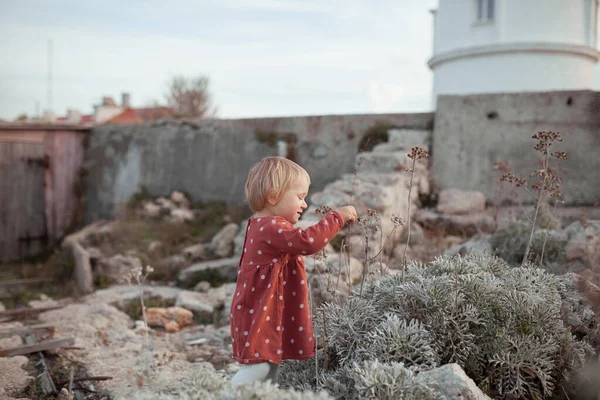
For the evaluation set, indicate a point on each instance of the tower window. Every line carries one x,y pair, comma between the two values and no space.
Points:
485,10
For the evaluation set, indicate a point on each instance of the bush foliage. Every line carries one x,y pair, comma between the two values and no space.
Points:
506,327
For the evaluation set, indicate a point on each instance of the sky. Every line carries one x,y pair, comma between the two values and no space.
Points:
263,57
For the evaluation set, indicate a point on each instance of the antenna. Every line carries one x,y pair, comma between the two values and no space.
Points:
49,100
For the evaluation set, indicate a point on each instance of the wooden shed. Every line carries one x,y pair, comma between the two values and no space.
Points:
40,186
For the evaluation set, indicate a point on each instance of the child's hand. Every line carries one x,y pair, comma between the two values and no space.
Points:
348,213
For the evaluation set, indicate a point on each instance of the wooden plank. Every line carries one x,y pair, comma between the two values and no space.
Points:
24,330
25,312
13,282
36,347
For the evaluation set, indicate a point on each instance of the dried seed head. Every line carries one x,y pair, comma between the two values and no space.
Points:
323,210
397,221
417,153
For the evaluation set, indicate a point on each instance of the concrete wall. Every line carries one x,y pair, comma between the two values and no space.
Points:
472,132
210,160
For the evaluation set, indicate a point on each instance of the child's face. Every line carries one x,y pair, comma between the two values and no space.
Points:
292,203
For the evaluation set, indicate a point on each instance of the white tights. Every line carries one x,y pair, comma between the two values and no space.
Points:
255,372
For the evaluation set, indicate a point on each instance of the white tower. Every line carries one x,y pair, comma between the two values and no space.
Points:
487,46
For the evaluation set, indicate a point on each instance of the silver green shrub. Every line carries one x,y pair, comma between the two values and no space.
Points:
508,328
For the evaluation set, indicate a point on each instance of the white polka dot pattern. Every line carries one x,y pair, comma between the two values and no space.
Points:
277,286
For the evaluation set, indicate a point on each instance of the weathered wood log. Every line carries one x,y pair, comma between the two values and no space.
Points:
36,347
28,281
83,268
24,330
24,312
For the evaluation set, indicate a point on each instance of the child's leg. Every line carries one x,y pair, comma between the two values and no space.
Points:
272,375
250,373
255,372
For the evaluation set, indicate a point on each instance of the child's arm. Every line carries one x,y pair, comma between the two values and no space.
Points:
285,237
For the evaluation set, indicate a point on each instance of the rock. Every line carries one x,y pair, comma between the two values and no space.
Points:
222,243
118,265
180,215
175,317
180,199
417,234
378,162
204,305
165,204
409,138
174,262
583,244
452,383
155,246
225,269
2,308
198,303
331,264
151,210
238,241
479,245
202,287
462,225
65,395
456,201
195,252
13,378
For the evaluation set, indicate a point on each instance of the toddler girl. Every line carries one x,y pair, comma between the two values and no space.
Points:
270,315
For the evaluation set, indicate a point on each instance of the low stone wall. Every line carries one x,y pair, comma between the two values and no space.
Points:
210,160
473,132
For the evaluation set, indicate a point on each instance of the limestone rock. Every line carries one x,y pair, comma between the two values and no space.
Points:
480,244
173,318
151,210
202,287
222,243
195,252
180,199
13,377
456,201
452,383
118,265
467,225
224,268
180,215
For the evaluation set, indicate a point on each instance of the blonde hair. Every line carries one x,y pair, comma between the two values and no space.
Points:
272,176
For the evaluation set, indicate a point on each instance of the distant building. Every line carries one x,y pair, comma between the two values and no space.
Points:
494,46
108,109
138,115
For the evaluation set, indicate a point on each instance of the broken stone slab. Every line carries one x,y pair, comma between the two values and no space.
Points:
478,245
382,162
409,138
119,293
204,305
456,201
463,225
451,382
224,269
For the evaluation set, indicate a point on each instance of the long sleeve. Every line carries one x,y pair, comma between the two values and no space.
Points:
284,237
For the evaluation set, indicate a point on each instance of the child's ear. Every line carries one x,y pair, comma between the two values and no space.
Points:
272,198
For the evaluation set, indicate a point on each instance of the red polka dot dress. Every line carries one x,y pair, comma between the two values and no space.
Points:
270,314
